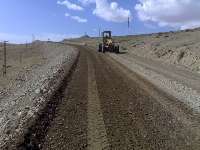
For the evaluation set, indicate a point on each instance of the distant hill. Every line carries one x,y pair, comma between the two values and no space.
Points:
85,36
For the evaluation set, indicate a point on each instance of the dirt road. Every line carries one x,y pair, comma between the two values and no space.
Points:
106,106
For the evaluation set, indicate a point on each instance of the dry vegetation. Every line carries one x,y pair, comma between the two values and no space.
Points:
20,58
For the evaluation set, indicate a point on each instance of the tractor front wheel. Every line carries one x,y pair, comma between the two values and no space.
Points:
104,49
100,47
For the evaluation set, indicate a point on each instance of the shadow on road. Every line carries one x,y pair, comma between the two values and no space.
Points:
122,53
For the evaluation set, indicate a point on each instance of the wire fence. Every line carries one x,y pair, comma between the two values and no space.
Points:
12,53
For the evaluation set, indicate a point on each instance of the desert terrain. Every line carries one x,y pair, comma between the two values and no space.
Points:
34,71
67,95
179,48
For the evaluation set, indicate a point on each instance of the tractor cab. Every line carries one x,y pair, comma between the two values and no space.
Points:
106,34
107,38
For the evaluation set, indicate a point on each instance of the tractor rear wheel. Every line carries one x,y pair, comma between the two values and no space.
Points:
104,49
117,49
100,47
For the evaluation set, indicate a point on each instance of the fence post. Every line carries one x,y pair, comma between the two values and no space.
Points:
20,56
5,60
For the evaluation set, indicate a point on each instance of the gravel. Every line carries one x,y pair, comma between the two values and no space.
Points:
182,92
20,103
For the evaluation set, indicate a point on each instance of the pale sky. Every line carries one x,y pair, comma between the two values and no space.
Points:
58,19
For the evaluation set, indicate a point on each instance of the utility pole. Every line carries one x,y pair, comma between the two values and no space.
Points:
99,32
20,57
4,65
128,24
33,40
26,45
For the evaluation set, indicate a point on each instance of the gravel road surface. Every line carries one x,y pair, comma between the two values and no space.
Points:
106,106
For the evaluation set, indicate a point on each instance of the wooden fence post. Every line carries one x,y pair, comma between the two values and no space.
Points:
5,59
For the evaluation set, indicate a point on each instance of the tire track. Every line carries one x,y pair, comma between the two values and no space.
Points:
37,129
68,130
104,107
134,118
97,137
